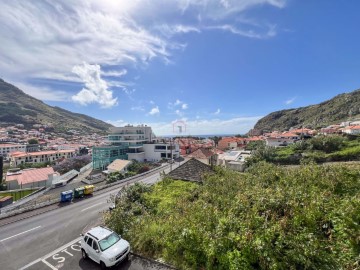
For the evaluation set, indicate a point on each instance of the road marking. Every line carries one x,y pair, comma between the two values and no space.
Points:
19,234
51,253
48,264
91,206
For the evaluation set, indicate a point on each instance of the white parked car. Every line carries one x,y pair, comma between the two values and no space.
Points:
104,246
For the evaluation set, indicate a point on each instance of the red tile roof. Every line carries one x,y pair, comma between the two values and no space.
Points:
31,175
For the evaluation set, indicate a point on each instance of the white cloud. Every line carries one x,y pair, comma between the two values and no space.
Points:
179,113
155,111
217,112
170,30
114,73
42,93
46,39
177,102
184,106
269,32
290,101
96,90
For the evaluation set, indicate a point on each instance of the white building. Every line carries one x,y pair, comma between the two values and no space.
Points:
30,178
131,135
234,160
6,149
18,158
353,130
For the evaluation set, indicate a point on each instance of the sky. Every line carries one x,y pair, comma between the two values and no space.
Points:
210,66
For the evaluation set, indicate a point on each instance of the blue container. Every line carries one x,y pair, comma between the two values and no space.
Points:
66,196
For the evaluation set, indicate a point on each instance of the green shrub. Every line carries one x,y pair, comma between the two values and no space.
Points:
269,218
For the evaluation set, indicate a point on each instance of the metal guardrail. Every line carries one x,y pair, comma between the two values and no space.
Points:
57,200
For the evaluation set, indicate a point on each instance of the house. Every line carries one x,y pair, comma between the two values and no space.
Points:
228,143
30,178
332,129
192,170
18,158
118,165
7,149
234,160
352,130
204,155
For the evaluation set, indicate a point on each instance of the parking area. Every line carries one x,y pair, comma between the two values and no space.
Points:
69,257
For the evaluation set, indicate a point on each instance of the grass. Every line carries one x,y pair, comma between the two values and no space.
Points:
165,194
17,195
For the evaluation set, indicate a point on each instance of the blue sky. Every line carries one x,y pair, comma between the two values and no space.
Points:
217,65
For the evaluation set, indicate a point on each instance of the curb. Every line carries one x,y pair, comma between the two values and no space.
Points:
152,260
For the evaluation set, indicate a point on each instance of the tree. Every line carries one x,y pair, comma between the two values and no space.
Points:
33,141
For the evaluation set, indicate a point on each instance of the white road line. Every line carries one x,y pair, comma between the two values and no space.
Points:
19,234
48,264
91,206
51,253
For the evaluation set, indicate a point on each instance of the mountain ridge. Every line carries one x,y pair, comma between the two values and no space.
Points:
17,107
342,107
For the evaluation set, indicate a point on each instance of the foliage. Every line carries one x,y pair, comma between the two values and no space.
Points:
262,153
254,145
269,218
140,167
33,141
327,144
75,163
34,165
113,177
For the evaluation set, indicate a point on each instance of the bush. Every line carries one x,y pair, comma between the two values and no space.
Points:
269,218
326,143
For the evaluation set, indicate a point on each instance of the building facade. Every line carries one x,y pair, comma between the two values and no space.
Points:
7,149
18,158
132,143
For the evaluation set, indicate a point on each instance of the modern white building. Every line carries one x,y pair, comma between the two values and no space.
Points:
133,143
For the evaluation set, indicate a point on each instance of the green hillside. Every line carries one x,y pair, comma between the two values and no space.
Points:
16,107
340,108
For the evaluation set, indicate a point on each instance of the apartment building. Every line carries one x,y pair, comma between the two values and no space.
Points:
18,158
132,143
7,148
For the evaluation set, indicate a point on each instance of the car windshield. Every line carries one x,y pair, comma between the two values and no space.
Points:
109,241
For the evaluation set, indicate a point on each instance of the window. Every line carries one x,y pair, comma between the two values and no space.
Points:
163,155
107,242
89,242
160,147
95,246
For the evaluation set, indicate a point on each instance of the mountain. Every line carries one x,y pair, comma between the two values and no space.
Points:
16,107
341,108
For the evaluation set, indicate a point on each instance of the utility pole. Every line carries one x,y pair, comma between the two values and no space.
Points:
171,160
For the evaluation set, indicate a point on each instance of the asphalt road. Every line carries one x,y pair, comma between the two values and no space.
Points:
28,240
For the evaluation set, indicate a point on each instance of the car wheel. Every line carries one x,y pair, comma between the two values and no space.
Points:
84,255
102,265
